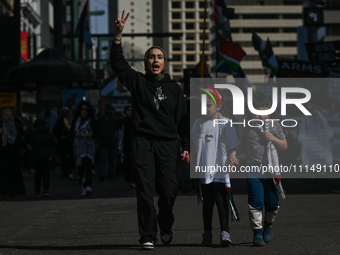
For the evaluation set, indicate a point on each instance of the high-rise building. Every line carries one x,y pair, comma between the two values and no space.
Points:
277,20
187,16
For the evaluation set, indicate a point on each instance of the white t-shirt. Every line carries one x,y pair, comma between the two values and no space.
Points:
212,153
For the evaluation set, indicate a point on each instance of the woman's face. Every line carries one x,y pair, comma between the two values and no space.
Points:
128,112
84,111
8,116
155,61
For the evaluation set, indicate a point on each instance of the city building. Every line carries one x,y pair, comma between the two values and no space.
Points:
187,17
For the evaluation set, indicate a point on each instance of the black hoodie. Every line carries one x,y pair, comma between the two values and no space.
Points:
147,93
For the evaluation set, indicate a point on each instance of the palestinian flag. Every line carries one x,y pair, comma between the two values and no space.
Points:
221,19
234,213
266,54
229,56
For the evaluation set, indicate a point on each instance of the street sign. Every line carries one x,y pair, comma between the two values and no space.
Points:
313,17
8,100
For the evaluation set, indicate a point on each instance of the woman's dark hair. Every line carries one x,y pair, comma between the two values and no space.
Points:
91,113
126,108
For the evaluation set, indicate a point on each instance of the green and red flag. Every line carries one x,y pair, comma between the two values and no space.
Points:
222,22
229,56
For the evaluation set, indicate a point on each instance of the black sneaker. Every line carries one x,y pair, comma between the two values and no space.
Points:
148,245
166,238
207,238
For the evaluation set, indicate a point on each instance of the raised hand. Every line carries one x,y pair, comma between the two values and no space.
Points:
120,23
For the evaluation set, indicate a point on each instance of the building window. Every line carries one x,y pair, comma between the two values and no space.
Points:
202,15
176,26
176,37
206,46
190,36
206,36
132,23
176,47
190,15
202,25
176,5
189,4
177,68
132,10
202,4
177,57
148,24
190,25
148,3
190,57
190,47
132,3
147,10
148,17
176,15
132,17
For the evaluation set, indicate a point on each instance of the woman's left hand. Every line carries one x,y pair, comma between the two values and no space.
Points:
186,156
89,134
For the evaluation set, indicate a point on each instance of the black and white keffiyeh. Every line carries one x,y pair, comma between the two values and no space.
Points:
83,146
10,131
273,162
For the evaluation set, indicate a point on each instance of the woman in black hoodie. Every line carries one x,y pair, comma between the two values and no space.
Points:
158,113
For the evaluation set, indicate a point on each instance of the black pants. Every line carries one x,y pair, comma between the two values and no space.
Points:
215,192
85,168
154,163
41,173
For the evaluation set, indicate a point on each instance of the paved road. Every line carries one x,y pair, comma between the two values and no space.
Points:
106,223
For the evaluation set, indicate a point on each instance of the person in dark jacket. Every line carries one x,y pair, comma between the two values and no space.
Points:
84,131
108,143
158,109
41,143
62,131
125,146
11,179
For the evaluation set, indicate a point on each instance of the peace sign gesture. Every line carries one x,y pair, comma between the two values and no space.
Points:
120,23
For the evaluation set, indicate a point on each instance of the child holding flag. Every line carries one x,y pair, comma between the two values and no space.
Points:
212,145
260,144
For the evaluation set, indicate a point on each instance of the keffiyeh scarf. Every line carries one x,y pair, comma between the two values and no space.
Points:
273,162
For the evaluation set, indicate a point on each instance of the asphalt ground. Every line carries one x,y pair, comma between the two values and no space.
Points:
106,223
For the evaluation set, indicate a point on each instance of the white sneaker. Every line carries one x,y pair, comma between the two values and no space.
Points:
83,192
88,191
148,246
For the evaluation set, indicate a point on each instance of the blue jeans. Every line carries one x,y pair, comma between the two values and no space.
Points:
107,160
261,191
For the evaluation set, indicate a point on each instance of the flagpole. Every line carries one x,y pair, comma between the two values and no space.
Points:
203,48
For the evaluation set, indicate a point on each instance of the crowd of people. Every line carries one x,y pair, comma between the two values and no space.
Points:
153,138
77,141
